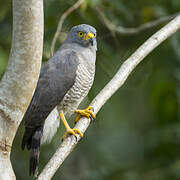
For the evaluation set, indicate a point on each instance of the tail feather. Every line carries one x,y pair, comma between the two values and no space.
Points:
35,150
34,160
27,138
32,140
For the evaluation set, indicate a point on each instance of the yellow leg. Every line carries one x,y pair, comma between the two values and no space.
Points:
68,129
85,112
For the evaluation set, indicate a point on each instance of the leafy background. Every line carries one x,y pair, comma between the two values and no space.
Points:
136,135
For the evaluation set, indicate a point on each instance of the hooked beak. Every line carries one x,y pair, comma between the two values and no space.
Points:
91,40
90,37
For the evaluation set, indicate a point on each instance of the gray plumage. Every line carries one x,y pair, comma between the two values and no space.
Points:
63,83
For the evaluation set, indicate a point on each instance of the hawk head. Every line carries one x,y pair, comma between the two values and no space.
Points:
83,34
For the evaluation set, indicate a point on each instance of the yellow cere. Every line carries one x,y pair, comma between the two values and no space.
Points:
89,35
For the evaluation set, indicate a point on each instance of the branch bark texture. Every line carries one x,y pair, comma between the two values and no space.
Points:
118,80
20,78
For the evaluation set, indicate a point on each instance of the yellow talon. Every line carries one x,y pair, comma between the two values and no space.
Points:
78,131
77,118
68,129
72,132
85,112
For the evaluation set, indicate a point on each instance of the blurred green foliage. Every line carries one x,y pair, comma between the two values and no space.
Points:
136,135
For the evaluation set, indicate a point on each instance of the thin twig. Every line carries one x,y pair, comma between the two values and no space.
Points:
136,30
61,21
118,80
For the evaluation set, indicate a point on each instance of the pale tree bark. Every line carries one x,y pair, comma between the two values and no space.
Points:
20,78
118,80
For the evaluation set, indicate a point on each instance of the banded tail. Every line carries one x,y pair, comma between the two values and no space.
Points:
32,140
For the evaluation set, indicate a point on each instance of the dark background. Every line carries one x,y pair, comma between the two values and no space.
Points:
136,135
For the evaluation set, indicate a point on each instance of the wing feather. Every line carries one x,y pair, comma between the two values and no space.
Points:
57,76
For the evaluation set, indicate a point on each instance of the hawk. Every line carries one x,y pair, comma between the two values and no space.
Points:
64,81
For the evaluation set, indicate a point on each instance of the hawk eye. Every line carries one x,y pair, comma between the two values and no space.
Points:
80,34
94,34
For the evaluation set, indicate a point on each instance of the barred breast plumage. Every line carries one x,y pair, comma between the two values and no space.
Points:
83,82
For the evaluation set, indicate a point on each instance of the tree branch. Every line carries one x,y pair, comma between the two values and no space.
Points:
137,30
69,143
61,21
20,78
118,80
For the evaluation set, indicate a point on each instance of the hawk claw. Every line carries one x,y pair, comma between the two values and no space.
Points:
72,132
85,112
92,119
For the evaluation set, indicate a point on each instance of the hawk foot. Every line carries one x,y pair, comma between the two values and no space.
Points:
70,131
85,112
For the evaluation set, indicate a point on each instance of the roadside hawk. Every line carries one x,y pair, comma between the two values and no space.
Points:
65,79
